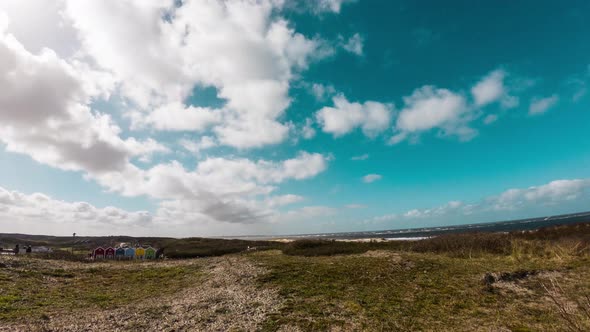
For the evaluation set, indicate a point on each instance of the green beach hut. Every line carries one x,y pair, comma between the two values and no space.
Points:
150,253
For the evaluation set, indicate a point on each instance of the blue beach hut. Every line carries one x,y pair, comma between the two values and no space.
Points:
129,253
120,253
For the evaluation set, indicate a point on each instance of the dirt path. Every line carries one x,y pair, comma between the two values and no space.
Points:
228,299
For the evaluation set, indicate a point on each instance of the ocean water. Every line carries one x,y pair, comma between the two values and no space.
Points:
417,233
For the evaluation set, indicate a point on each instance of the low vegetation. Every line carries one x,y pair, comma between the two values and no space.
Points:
565,239
34,288
202,247
522,281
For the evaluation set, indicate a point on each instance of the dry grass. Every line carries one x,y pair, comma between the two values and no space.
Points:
574,309
216,294
532,281
441,288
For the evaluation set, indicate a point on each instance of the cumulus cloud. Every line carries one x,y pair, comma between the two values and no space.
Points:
205,142
354,44
238,47
150,55
19,211
541,105
550,193
44,113
372,117
49,31
226,190
489,89
429,107
308,132
369,178
219,191
328,5
178,117
322,91
514,199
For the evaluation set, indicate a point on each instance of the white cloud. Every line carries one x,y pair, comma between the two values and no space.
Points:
489,89
150,55
515,199
177,117
328,5
369,178
361,157
40,213
508,102
354,44
44,113
219,189
308,132
240,47
372,117
429,107
284,200
541,105
552,192
490,118
321,91
205,142
49,31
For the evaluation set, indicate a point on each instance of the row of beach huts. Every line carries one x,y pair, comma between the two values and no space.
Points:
126,253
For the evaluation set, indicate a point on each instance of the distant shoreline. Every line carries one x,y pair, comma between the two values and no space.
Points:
420,233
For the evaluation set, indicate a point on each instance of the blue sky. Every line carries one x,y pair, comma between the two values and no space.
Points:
271,117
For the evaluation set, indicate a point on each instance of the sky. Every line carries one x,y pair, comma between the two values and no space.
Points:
242,117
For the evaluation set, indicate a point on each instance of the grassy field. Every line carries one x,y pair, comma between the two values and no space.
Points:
384,291
534,281
36,288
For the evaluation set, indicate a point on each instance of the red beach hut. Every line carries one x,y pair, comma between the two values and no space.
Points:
109,253
98,253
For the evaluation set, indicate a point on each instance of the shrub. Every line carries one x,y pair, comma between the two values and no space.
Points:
324,248
466,245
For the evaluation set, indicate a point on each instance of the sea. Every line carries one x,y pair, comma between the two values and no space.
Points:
427,232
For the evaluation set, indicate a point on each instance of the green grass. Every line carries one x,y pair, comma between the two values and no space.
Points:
435,284
33,288
414,291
